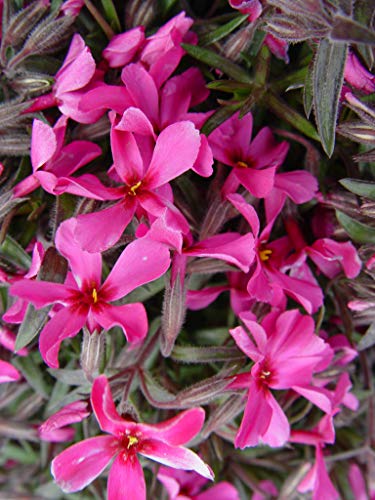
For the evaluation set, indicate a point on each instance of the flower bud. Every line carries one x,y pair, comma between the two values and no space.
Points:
139,13
91,353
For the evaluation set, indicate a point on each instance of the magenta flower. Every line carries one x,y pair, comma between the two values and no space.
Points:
275,274
182,485
251,7
53,163
286,353
145,173
254,163
84,300
159,53
79,465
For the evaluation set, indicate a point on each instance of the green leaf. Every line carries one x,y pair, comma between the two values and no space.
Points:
33,374
281,109
219,117
361,233
111,15
328,77
218,62
32,324
361,188
348,30
188,354
308,92
222,31
15,253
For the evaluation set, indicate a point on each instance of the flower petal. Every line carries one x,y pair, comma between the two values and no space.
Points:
64,324
177,430
126,480
142,261
40,293
79,465
176,457
8,373
132,318
104,407
98,231
176,150
43,144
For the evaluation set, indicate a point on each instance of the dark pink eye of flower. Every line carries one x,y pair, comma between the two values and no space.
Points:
129,444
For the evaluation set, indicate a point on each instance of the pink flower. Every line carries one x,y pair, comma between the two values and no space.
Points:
79,465
54,428
254,163
275,273
286,353
183,485
85,300
145,169
53,163
147,110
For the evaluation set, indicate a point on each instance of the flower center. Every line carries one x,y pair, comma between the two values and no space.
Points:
242,164
133,189
264,374
94,295
132,440
265,254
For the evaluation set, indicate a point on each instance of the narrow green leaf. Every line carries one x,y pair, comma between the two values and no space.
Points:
229,86
7,203
308,92
222,31
216,61
328,77
33,374
189,354
219,117
361,188
361,233
111,15
15,253
281,109
32,324
347,30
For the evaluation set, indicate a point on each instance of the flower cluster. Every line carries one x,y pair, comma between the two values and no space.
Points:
167,203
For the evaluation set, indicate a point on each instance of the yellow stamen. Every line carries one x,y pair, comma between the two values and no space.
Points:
265,254
133,189
94,295
132,441
242,164
265,374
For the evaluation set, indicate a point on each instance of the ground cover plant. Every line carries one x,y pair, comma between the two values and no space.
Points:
187,255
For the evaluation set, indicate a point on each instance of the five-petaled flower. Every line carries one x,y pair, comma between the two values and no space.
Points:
79,465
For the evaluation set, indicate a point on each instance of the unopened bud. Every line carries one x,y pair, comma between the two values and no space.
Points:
31,83
15,144
91,354
239,42
23,22
174,311
140,13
